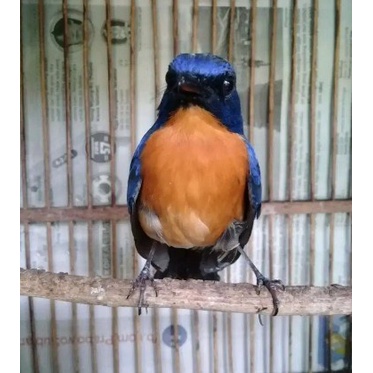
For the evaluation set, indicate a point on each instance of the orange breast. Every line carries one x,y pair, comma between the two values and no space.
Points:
194,180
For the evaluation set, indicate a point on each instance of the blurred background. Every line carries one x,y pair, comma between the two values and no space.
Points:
92,75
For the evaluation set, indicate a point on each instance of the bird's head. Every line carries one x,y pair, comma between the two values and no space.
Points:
205,80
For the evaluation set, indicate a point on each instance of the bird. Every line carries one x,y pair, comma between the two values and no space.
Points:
194,185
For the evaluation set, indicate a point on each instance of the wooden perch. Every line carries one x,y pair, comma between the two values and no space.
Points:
191,294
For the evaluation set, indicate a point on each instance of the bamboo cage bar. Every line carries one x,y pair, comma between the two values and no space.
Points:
118,212
70,190
229,338
113,226
87,122
214,10
157,92
157,344
232,12
251,122
291,160
156,48
23,153
214,318
47,177
74,310
195,326
194,314
228,318
176,347
335,97
133,59
195,14
253,24
314,56
175,26
334,156
67,96
215,336
270,165
53,321
133,119
31,310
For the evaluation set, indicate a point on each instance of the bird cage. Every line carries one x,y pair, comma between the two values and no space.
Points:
92,76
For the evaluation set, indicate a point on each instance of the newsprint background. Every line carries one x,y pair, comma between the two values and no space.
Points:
226,343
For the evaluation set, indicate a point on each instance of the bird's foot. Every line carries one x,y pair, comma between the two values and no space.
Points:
140,283
272,286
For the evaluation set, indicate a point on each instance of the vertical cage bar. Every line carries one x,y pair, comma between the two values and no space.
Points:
175,26
251,121
334,157
253,25
271,123
291,160
53,324
74,310
157,344
155,311
313,165
215,341
67,92
44,107
335,96
176,350
313,98
271,102
45,125
229,334
270,158
22,128
292,101
34,352
112,118
232,11
290,224
195,20
196,344
34,348
133,52
156,50
214,13
87,117
331,259
87,105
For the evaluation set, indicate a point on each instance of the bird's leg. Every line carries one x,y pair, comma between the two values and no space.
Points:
141,279
271,285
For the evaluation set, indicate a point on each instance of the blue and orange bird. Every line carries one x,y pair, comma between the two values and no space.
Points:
194,187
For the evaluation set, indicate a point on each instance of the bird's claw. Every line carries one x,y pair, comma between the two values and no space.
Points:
272,286
140,283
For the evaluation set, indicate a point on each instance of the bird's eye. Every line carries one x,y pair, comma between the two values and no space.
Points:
228,85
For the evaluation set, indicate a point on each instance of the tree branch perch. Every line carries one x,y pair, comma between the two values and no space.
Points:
191,294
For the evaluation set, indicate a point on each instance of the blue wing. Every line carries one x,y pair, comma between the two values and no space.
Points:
134,180
254,182
134,177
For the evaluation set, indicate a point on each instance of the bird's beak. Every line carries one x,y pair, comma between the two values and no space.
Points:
188,86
